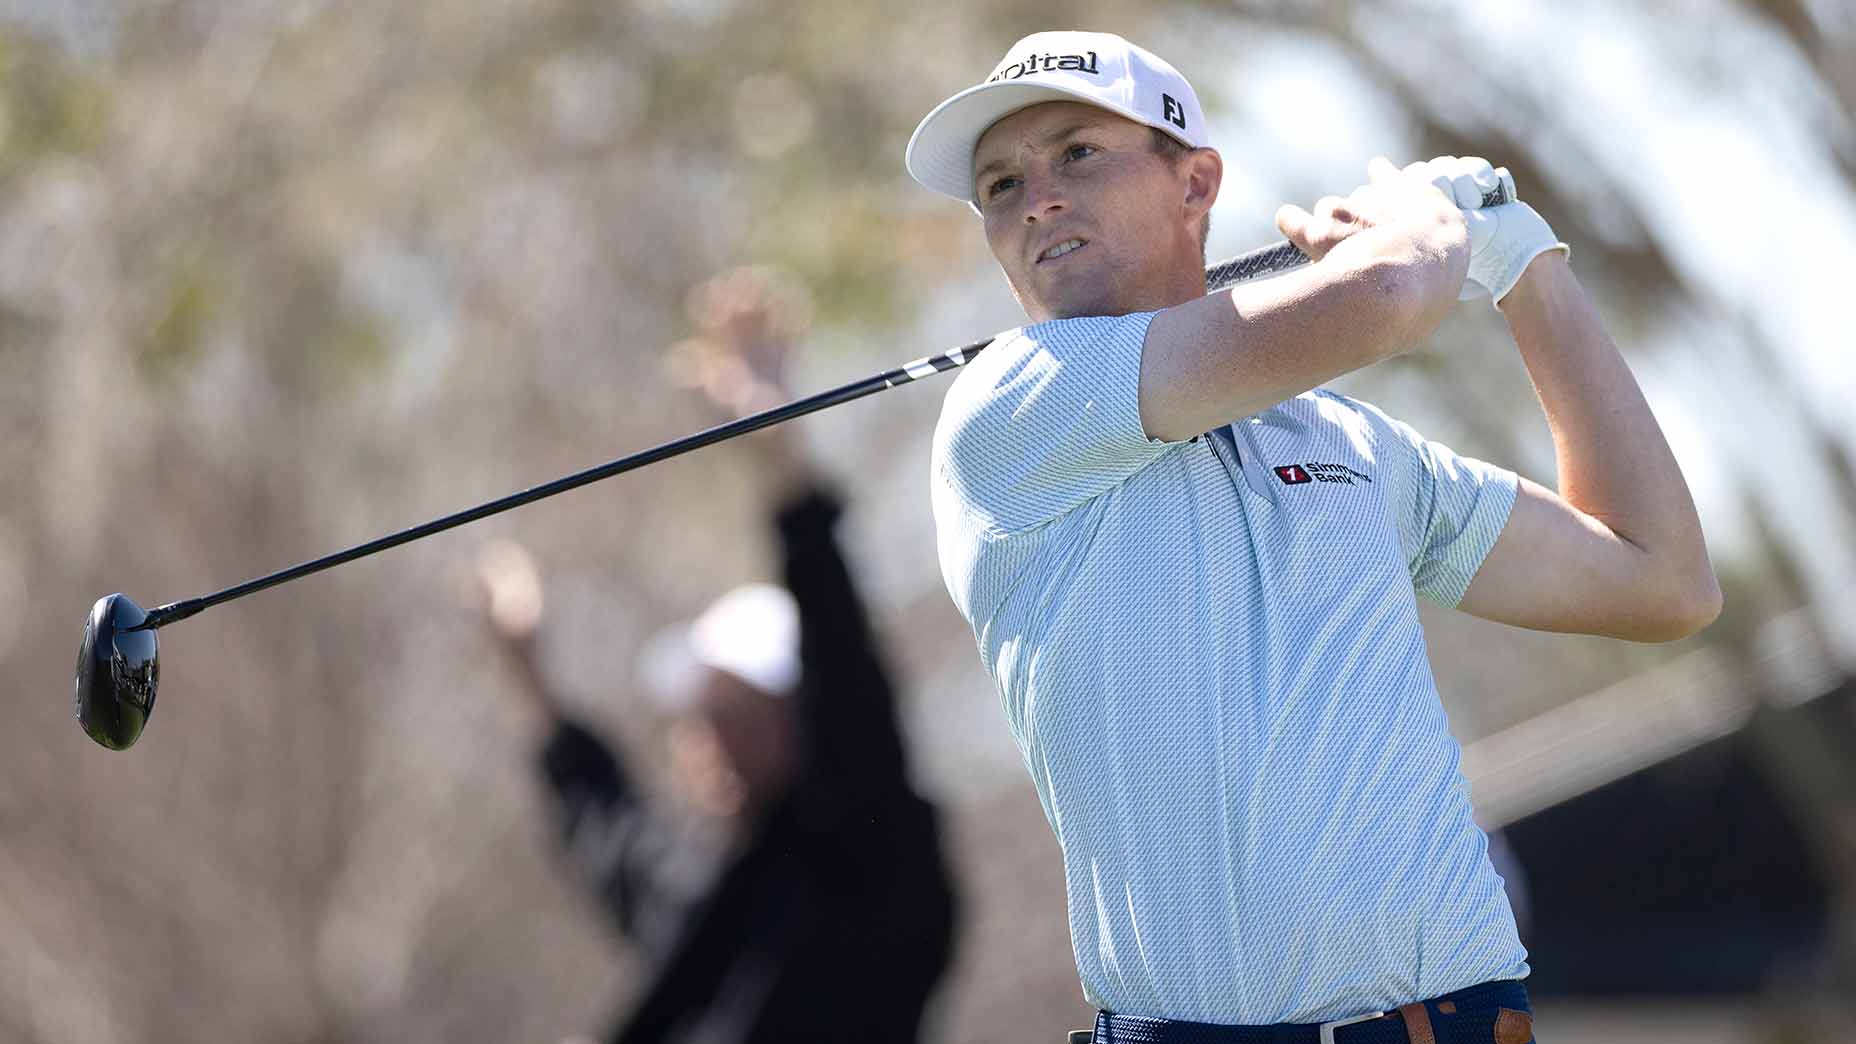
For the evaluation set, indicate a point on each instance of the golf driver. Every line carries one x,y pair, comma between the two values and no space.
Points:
118,663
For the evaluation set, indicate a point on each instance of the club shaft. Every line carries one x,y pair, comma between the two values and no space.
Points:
1270,260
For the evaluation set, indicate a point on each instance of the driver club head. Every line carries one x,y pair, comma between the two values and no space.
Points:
117,667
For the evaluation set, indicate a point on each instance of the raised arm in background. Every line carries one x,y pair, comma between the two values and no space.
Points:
847,703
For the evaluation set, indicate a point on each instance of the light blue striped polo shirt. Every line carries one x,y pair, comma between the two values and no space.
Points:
1210,656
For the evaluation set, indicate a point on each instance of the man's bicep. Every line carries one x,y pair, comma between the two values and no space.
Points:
1556,568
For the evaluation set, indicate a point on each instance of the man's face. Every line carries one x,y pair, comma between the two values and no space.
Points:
734,750
1083,216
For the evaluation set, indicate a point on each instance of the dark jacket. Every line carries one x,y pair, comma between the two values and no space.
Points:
833,919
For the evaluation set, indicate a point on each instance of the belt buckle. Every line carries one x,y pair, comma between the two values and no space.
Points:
1327,1029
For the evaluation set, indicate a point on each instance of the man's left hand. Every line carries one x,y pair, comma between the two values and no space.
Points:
1503,239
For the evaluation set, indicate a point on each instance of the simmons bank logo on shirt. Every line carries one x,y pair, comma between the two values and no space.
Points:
1297,474
1085,62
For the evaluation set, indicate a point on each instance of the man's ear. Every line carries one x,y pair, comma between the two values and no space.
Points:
1204,172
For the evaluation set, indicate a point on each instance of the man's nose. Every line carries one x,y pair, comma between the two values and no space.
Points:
1043,198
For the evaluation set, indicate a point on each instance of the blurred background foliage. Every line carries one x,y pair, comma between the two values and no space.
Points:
279,276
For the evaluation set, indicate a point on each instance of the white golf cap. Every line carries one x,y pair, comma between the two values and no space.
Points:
1099,69
752,632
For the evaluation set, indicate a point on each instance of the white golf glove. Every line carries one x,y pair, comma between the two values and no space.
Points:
1503,238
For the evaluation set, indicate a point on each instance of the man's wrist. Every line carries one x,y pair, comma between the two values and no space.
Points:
1550,269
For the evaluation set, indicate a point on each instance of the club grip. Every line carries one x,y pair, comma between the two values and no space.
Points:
1282,256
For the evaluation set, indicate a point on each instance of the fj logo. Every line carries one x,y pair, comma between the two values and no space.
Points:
1175,115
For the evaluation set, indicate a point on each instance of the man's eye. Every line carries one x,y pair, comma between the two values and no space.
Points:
1001,185
1076,152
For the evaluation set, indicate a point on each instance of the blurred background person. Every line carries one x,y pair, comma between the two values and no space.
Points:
803,895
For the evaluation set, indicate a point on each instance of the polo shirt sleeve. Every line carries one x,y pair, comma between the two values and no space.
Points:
1046,419
1449,508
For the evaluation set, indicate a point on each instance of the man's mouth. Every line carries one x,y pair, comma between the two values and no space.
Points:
1066,247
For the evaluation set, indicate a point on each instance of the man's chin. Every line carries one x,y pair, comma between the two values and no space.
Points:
1078,309
1072,302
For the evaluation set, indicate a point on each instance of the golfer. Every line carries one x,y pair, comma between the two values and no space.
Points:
1192,573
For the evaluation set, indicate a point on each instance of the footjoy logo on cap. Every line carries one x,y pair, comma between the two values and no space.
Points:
1174,114
1086,62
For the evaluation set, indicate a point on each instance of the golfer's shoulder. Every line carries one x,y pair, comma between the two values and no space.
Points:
1084,338
1357,420
1055,399
1321,415
1050,362
1395,449
1326,425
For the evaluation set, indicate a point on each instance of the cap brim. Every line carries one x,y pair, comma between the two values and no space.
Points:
940,152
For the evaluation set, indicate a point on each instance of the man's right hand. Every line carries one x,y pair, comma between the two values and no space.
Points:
1391,196
506,588
747,322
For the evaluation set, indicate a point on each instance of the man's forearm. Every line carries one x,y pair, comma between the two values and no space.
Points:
1614,463
1212,360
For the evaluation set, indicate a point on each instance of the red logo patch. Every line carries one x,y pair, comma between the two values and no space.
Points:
1292,474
